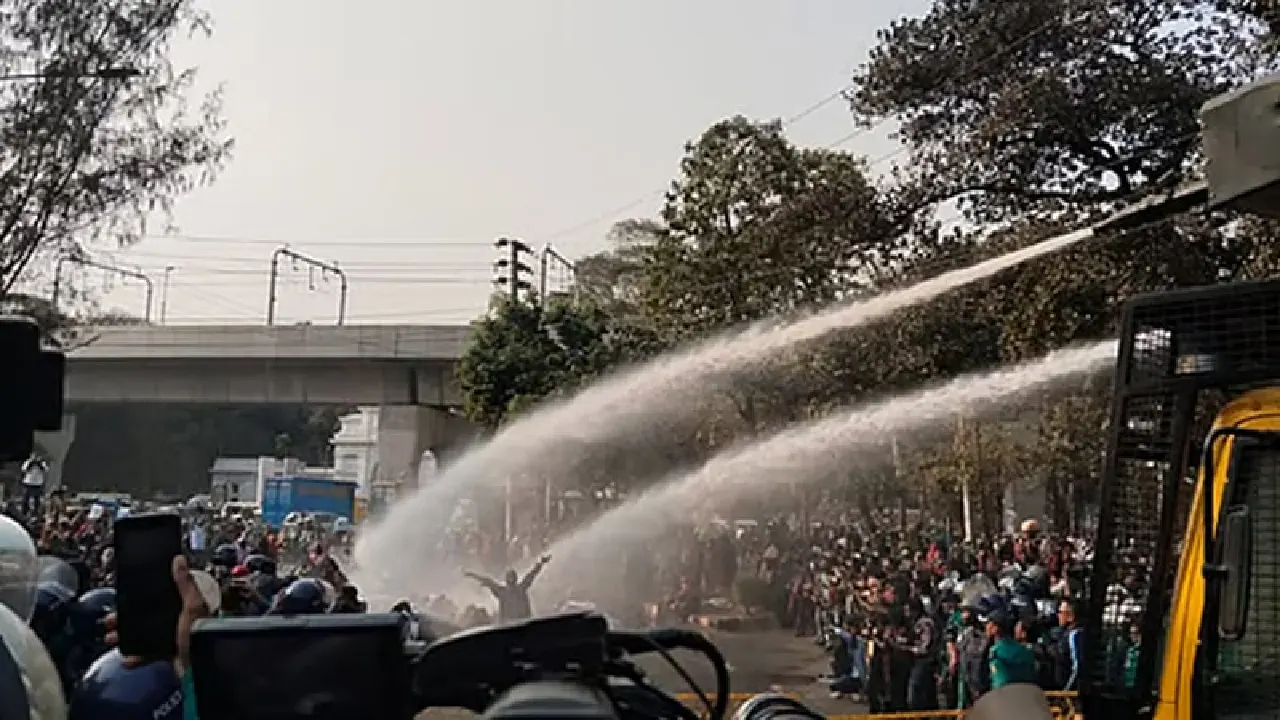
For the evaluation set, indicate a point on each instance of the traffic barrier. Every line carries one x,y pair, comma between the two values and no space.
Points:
1061,703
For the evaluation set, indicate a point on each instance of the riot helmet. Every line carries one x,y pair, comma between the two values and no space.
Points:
305,596
19,568
53,569
27,674
91,610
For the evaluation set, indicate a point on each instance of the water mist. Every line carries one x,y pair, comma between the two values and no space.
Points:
592,557
541,446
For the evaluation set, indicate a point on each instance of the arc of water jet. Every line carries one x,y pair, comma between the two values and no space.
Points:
801,449
692,368
618,407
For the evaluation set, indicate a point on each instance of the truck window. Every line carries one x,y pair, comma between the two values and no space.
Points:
1250,667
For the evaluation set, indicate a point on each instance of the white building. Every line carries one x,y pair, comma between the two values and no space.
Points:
233,479
241,480
356,458
355,450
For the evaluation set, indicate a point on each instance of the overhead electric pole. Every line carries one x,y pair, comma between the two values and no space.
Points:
512,269
313,265
549,254
81,260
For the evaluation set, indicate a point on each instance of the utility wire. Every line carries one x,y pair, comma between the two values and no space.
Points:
426,243
842,93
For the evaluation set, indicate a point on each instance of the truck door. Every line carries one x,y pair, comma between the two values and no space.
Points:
1248,668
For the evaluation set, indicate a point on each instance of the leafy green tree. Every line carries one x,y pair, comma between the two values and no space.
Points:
521,352
986,121
1043,116
755,226
95,132
611,279
51,321
1069,452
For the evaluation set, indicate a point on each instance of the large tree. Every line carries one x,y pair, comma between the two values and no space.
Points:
755,226
1044,115
96,134
610,282
521,352
1029,106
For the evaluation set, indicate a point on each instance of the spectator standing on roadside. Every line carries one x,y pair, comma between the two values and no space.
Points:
34,472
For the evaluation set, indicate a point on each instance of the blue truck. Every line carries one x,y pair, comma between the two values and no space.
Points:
286,494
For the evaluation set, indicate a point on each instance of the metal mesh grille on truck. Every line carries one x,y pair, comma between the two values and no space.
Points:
1249,668
1180,354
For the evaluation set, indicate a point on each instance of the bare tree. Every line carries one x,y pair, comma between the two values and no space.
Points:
96,132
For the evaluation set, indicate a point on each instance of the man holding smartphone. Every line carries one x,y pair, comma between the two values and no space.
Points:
106,698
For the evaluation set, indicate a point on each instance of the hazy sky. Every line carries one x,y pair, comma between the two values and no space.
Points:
400,137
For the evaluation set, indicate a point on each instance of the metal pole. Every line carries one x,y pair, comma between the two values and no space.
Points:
57,281
542,273
127,272
271,287
110,73
342,295
514,279
164,294
151,293
327,267
549,252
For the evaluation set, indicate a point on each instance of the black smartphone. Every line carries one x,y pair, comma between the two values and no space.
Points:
147,600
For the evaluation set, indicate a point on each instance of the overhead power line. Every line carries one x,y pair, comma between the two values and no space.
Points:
827,100
348,243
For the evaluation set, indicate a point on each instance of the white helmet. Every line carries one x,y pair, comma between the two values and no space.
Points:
39,675
19,568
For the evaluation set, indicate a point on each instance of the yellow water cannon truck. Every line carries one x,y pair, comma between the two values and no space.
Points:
1190,504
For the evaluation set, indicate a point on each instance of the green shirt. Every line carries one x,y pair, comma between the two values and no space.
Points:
1010,662
1131,664
189,697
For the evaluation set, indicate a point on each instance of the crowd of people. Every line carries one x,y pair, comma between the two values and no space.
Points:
75,589
915,619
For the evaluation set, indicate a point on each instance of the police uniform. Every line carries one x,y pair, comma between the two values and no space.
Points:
974,679
1010,662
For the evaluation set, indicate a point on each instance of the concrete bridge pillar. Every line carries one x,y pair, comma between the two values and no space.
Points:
56,446
405,432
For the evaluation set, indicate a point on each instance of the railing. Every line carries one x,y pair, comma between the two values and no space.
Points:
1062,704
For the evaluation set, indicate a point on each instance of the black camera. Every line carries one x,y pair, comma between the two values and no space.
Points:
31,387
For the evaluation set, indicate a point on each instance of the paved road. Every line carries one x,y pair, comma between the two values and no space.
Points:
774,661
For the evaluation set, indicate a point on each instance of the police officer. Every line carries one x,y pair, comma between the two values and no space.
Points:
122,688
116,689
30,686
1009,661
971,651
